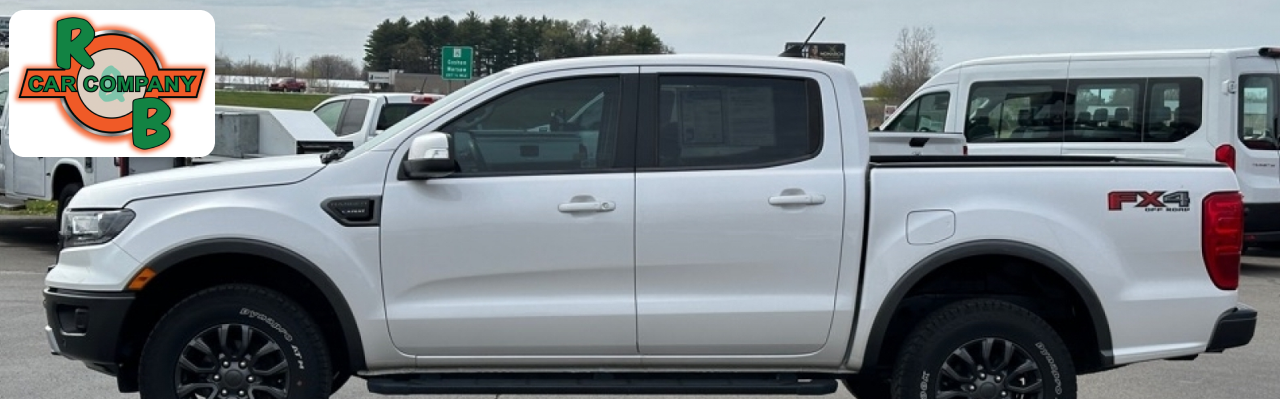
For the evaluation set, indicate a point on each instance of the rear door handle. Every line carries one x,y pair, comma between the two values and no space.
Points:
805,199
596,206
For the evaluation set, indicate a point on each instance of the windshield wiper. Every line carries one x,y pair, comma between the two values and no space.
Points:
332,155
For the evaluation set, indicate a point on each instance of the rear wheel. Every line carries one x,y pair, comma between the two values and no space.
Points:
235,341
984,349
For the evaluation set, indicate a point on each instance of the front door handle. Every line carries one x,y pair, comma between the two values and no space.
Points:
587,206
804,199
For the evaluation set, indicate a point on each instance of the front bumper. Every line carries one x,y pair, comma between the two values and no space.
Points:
1235,329
86,326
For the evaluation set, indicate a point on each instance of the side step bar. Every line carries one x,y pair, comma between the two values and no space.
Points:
603,384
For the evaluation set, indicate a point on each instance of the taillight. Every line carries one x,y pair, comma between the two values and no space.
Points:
1222,238
966,150
123,164
1226,154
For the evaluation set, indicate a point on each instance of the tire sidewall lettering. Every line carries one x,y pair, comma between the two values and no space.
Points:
279,328
1053,367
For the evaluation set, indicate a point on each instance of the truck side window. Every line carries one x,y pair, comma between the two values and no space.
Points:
737,121
1258,111
527,130
928,113
329,114
1106,110
1017,111
353,117
1173,108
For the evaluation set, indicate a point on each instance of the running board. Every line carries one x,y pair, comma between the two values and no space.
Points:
603,384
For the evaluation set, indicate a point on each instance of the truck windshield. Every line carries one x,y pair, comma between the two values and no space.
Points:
442,103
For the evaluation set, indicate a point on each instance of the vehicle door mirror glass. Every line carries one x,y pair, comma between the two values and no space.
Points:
429,157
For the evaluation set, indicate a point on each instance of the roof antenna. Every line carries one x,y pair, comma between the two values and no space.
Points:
795,51
422,85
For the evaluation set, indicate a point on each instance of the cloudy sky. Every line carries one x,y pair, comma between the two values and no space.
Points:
965,29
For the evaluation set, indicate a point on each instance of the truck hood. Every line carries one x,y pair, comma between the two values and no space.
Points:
208,177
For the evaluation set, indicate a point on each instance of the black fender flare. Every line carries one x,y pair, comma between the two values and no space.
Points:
989,247
289,258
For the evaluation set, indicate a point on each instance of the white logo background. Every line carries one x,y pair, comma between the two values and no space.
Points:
41,127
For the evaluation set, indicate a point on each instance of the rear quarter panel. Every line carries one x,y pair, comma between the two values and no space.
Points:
1145,266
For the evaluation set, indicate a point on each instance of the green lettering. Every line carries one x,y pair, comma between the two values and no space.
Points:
140,83
68,48
90,83
144,123
155,85
171,84
108,84
187,81
124,84
68,83
36,84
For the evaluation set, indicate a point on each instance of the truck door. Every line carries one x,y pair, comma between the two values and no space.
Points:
528,250
24,176
1257,153
6,161
1255,143
740,212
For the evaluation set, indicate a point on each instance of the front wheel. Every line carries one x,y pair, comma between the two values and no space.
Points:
235,341
986,349
67,192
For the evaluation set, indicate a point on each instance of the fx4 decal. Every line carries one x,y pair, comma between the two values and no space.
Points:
1152,201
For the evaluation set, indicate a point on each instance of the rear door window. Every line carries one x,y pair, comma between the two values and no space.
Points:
394,113
329,114
1258,99
353,117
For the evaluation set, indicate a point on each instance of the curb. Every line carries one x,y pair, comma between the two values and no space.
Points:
27,217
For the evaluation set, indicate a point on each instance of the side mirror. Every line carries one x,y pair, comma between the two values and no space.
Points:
428,157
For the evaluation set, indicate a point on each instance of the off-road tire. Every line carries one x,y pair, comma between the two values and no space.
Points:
919,370
64,198
267,315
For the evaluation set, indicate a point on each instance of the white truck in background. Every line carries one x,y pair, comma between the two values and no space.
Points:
59,178
276,132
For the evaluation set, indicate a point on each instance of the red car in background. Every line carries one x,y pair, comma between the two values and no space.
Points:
288,84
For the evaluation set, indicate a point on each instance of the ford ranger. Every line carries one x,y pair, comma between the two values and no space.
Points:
722,228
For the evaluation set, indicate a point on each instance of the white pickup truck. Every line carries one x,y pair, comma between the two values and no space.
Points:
744,242
59,178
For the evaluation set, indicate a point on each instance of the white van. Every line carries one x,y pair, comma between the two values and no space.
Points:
1217,104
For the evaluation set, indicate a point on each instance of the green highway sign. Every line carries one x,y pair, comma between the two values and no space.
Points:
455,62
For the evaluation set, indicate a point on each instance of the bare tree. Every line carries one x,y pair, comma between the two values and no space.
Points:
282,63
914,61
329,67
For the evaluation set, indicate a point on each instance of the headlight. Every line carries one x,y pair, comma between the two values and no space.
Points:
80,228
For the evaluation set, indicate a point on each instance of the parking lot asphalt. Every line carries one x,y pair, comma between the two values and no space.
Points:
27,370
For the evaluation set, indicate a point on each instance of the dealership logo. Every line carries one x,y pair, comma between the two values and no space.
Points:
121,83
1151,201
111,83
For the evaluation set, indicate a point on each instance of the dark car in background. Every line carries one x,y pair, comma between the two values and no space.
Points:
288,84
